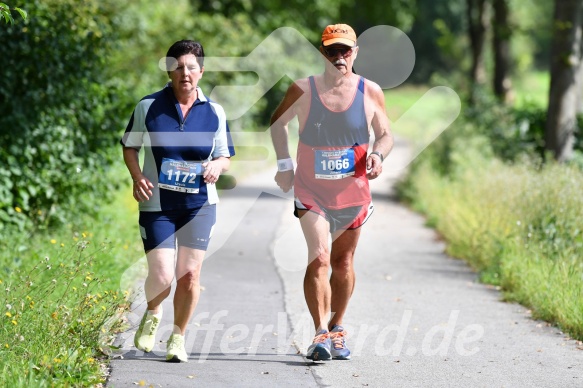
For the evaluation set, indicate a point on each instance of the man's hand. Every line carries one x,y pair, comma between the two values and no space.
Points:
374,166
285,180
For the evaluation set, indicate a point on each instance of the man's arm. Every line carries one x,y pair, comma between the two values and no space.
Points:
383,143
280,119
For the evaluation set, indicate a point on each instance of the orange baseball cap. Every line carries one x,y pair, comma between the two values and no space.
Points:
339,34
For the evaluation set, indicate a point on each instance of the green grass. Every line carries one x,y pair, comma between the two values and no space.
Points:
400,99
532,88
59,290
519,226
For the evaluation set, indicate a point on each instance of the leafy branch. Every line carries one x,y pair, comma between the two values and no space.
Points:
5,12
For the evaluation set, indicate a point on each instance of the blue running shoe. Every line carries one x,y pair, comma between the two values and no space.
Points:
319,350
338,349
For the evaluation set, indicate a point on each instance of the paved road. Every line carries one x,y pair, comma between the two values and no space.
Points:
417,318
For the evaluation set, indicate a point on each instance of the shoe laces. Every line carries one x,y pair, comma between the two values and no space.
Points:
337,338
321,338
151,325
176,342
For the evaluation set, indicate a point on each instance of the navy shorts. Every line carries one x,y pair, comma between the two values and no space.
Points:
190,228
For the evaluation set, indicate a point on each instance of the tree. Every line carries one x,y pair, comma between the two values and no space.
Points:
7,15
580,81
436,33
565,59
477,26
501,47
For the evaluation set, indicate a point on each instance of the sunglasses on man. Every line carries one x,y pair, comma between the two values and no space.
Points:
333,52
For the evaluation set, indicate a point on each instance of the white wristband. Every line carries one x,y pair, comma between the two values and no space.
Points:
285,164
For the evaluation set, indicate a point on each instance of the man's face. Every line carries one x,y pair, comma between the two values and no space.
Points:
340,56
187,73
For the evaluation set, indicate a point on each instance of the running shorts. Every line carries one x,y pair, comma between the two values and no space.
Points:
190,228
351,217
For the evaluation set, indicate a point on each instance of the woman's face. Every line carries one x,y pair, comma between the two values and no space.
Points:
187,74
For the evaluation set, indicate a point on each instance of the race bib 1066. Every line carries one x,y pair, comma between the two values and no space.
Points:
180,175
334,164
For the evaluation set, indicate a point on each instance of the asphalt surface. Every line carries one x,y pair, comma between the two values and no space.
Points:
417,317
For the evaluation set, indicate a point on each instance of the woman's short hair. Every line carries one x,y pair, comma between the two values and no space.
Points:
184,47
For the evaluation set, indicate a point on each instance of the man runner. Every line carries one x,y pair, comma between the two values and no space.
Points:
332,196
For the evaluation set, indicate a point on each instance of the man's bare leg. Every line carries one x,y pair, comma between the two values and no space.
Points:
316,282
343,278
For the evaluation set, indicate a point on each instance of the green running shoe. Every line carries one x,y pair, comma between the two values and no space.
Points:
146,334
175,351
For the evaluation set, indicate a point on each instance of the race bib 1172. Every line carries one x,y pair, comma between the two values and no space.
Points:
180,175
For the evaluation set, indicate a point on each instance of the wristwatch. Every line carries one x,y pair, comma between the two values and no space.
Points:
379,154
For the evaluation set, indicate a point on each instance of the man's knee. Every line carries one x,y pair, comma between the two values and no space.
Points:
320,261
343,263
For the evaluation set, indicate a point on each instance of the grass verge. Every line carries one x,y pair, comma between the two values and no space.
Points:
59,291
519,226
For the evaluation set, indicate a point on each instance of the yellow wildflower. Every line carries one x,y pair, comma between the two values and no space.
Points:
56,360
8,314
91,360
6,346
103,308
14,322
53,241
54,315
62,244
18,210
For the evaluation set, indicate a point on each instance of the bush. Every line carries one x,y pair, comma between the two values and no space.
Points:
60,111
488,130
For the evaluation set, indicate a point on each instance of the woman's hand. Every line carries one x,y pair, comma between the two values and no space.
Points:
214,168
141,189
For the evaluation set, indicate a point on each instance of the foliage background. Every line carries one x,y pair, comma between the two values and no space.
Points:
61,107
73,71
